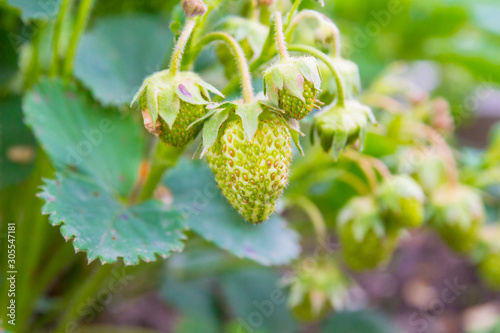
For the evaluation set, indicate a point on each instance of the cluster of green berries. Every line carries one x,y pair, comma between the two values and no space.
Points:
370,226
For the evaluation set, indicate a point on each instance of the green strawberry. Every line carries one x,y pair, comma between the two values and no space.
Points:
489,269
316,290
365,242
251,166
401,201
339,126
457,213
170,103
292,84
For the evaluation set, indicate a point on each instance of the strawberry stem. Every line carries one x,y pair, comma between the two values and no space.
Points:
292,11
175,62
82,15
65,6
280,37
239,55
327,60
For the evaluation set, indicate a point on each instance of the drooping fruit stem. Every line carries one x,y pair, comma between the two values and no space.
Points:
82,15
65,6
239,55
175,62
280,37
328,61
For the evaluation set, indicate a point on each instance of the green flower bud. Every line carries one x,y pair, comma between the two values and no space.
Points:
339,126
171,103
365,241
316,290
293,84
316,30
401,201
457,213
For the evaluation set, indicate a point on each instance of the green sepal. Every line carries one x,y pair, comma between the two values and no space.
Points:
309,68
249,114
293,81
211,129
364,215
169,105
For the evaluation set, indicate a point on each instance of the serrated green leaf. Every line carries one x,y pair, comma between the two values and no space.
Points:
118,52
36,9
211,129
76,133
209,214
107,229
249,114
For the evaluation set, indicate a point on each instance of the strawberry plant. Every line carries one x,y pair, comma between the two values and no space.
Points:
222,158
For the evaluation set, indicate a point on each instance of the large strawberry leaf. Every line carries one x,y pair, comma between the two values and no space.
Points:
77,133
32,9
210,215
119,52
97,153
106,228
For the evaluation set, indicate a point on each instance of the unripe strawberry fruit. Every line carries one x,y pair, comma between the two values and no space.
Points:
295,107
457,213
170,103
365,242
489,269
252,174
293,84
401,201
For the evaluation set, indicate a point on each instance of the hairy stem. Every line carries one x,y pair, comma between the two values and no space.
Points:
175,62
328,61
245,77
54,66
280,37
80,22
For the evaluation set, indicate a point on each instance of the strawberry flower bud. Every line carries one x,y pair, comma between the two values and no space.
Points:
171,103
401,201
293,84
365,241
315,29
339,126
193,8
457,214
